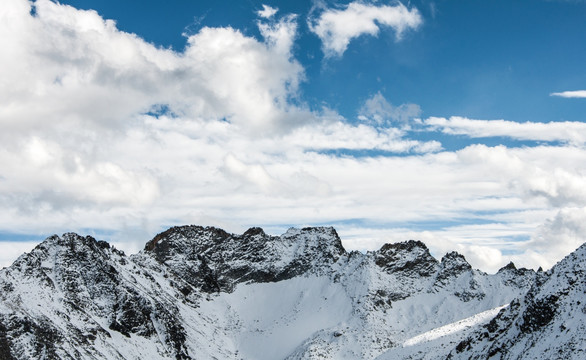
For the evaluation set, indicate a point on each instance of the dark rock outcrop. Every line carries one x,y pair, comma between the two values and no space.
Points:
545,323
213,260
74,297
409,257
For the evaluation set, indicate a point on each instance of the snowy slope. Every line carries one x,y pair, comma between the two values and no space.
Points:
437,343
549,322
201,293
74,297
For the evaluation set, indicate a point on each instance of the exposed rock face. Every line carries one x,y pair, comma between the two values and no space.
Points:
213,260
453,265
200,293
72,291
411,258
549,322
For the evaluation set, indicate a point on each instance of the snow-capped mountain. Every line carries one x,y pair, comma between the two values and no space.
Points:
549,322
202,293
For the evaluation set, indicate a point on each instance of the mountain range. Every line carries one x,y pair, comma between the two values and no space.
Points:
201,293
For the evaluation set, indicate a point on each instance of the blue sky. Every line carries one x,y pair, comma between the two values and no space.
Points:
479,59
458,123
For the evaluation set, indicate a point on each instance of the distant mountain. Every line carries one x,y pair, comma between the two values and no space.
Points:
202,293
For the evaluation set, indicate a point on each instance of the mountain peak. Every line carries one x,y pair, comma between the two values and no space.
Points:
188,234
510,266
324,238
200,292
452,266
69,248
409,256
455,262
254,231
408,245
546,323
223,260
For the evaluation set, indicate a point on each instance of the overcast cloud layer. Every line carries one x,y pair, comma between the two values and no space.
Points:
104,131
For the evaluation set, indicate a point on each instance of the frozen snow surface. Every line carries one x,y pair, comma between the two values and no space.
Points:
202,293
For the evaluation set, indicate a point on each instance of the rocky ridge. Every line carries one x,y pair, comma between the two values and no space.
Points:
549,322
201,293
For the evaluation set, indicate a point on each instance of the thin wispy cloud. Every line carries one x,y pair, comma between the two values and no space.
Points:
573,132
570,94
379,111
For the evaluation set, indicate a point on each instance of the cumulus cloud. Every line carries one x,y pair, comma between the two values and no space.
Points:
64,60
570,94
75,96
280,36
564,131
104,131
337,27
74,89
237,78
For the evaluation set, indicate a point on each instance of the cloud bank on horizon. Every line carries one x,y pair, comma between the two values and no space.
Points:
105,132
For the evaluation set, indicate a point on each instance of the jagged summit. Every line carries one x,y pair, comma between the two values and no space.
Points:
408,245
198,292
63,254
454,264
70,242
222,260
188,238
548,322
254,231
180,238
454,257
509,266
409,256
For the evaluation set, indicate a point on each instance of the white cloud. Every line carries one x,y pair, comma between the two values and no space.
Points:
267,12
77,152
211,171
558,236
564,131
379,111
543,173
11,250
340,135
478,243
66,61
230,147
245,81
280,36
570,94
254,174
337,27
